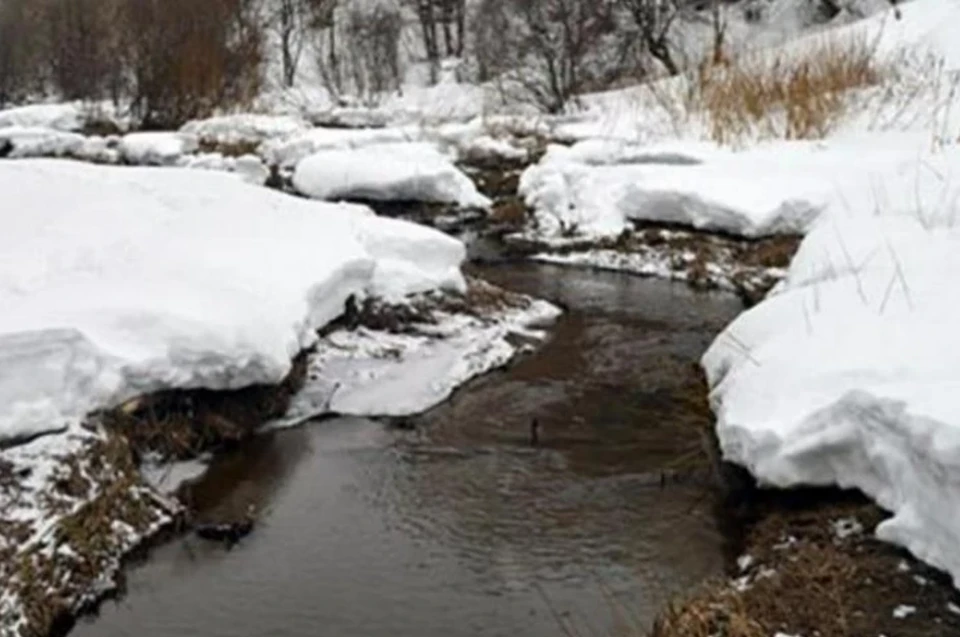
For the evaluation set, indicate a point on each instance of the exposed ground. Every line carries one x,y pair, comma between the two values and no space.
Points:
706,261
810,566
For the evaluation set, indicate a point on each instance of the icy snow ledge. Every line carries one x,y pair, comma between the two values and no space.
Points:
375,373
117,282
847,375
387,172
243,129
596,188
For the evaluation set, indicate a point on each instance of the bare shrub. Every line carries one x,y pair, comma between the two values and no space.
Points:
18,49
547,51
83,48
189,58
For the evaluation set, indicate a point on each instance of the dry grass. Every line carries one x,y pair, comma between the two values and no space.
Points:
808,581
799,94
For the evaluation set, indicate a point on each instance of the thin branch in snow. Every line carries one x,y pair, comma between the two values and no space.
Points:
806,317
901,276
742,348
852,266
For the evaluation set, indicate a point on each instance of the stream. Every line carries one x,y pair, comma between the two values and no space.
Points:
459,527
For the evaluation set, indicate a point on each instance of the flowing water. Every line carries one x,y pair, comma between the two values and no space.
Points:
461,527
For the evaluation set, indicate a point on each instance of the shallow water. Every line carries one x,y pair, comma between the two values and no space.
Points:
461,528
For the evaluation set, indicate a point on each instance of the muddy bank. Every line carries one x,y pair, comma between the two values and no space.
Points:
452,522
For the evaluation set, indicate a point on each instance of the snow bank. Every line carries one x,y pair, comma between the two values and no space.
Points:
847,375
386,172
62,117
597,188
244,129
47,142
288,152
248,167
118,282
157,149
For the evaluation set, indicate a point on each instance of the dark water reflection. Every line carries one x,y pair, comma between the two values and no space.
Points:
460,528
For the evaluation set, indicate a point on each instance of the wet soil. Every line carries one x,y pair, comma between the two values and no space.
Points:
454,524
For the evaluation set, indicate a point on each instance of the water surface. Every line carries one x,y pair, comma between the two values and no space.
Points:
460,527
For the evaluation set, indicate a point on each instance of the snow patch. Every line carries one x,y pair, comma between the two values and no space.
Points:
157,148
386,172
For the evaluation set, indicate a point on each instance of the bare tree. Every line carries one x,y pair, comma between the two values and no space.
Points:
358,51
550,49
18,47
654,20
442,29
83,46
292,21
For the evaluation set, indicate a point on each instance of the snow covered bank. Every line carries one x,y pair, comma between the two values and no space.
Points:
846,375
386,172
120,282
157,148
597,188
246,129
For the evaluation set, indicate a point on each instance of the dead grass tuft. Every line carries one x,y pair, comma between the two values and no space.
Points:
796,95
183,424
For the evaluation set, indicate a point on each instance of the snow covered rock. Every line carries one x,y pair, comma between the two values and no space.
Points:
157,149
40,142
387,172
287,152
244,129
847,375
116,282
248,167
62,117
47,142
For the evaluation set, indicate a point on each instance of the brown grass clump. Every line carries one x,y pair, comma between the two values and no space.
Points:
796,95
807,580
183,424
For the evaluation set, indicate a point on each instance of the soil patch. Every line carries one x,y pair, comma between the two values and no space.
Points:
811,565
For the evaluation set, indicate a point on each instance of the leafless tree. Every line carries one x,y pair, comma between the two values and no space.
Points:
292,21
442,29
358,51
551,49
654,20
17,49
83,47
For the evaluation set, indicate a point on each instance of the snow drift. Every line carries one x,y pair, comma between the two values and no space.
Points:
597,188
847,375
122,281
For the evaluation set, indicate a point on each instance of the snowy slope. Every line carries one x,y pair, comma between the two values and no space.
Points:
117,282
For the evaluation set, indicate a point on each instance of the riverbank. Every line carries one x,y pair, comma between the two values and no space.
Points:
75,506
810,564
